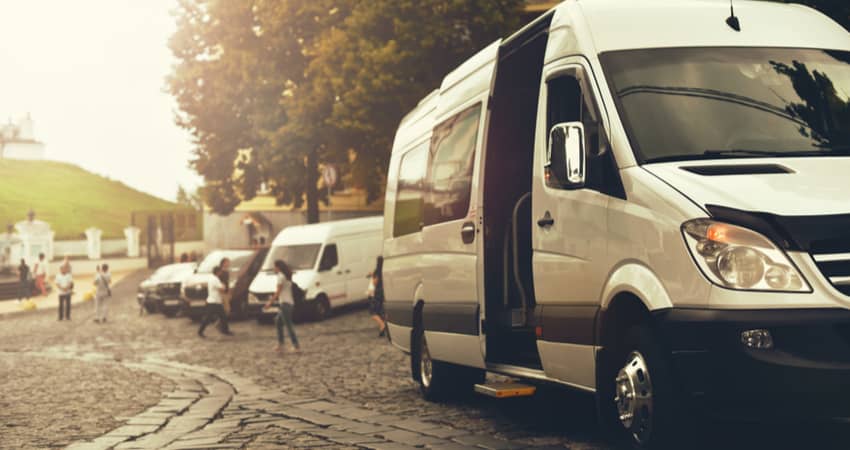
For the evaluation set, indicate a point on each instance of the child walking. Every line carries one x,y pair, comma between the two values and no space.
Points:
286,299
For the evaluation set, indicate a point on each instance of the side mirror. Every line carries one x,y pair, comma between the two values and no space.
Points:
566,161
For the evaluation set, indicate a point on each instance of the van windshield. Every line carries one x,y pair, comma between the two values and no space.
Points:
237,260
297,257
707,103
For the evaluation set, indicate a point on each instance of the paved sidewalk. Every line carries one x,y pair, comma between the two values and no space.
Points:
83,284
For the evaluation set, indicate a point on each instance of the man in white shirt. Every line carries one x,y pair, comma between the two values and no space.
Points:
65,284
215,305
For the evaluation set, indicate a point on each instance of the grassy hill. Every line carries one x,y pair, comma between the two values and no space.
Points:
69,198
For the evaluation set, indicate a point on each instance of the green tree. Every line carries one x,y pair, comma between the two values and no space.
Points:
271,89
189,199
385,57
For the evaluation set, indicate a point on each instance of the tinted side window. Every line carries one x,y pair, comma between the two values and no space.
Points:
450,167
330,259
570,100
411,192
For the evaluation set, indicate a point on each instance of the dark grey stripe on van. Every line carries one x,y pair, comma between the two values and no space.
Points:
567,324
399,313
458,318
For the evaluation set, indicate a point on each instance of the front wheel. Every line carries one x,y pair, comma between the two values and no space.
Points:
439,380
638,396
321,308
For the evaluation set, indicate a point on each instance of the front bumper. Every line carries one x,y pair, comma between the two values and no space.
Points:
805,374
193,308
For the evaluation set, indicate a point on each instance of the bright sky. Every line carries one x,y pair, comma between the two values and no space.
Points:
92,74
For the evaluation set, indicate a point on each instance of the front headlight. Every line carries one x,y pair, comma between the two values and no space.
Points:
737,258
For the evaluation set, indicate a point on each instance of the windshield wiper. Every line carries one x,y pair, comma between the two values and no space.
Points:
839,150
742,152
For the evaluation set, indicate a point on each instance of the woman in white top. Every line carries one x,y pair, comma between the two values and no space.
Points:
285,298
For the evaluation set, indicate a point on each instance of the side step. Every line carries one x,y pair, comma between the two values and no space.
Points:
505,390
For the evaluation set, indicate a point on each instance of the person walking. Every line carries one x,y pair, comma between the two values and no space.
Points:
215,308
224,276
376,297
65,284
285,295
25,277
103,290
40,272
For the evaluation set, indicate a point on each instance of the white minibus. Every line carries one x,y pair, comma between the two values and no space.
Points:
331,262
645,200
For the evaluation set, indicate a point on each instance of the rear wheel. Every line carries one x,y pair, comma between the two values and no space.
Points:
439,380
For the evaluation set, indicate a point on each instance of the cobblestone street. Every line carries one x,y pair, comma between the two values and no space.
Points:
150,382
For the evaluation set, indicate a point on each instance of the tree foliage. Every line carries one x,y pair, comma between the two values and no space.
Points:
272,89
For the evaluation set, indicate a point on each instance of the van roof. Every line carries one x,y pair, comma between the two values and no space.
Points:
599,26
321,232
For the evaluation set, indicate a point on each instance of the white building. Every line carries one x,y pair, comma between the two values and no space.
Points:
17,140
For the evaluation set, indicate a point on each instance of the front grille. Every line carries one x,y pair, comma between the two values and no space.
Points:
169,290
259,298
196,292
836,268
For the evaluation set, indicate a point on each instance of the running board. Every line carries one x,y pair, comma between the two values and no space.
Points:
505,390
532,374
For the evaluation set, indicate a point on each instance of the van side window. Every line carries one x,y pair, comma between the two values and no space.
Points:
411,192
450,167
569,99
330,259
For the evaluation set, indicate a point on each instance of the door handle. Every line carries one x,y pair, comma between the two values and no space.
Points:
467,232
546,221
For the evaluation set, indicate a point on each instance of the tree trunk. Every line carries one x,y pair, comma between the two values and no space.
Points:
312,188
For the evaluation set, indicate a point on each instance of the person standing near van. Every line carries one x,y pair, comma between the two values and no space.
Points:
40,272
286,300
215,307
103,290
224,276
25,277
65,284
376,297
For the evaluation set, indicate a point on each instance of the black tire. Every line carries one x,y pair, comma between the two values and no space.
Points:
657,423
169,312
440,380
321,308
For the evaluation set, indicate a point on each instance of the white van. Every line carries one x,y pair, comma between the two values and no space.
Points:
644,200
331,262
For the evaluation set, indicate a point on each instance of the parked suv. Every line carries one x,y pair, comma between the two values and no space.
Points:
242,262
161,291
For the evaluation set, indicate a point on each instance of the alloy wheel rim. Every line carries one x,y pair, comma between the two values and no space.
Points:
426,366
634,397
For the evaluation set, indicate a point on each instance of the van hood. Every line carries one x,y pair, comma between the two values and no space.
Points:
266,282
782,186
197,279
